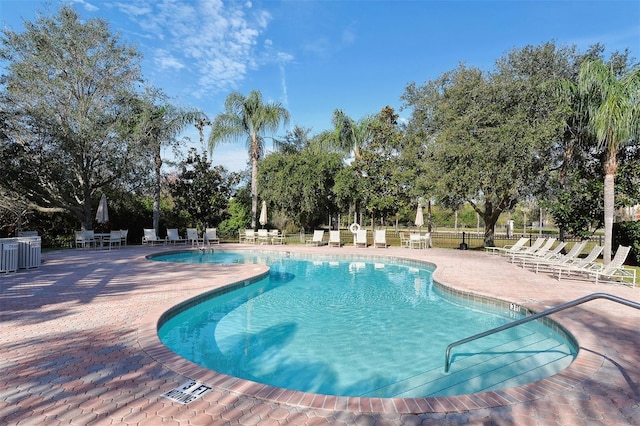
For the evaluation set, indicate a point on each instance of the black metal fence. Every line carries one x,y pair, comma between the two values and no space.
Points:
445,239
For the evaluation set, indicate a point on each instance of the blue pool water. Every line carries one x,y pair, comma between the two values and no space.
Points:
356,328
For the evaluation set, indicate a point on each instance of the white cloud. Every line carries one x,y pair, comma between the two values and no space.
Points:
284,58
215,41
348,37
167,61
87,6
133,10
233,157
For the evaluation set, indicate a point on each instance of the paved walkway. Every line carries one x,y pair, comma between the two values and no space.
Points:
78,346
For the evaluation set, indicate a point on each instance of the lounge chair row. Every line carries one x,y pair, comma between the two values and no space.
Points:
361,239
542,255
173,237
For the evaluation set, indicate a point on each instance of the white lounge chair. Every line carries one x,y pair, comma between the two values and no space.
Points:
579,263
334,239
317,240
557,261
193,237
543,253
612,272
380,238
174,237
360,238
150,237
539,242
211,236
519,245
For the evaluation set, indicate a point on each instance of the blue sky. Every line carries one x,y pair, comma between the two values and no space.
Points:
316,56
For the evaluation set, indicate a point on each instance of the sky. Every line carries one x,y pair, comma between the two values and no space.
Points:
316,56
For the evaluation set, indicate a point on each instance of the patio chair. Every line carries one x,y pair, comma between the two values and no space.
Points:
380,238
361,238
114,239
150,237
174,237
193,237
211,236
83,239
249,236
123,237
334,239
90,238
519,245
276,236
404,239
263,236
426,238
318,238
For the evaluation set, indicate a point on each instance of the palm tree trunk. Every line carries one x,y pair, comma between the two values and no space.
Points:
608,215
254,192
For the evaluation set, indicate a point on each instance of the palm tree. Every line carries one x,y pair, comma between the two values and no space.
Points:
349,134
251,117
614,118
157,124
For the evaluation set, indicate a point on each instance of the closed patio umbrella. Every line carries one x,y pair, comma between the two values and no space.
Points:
419,217
263,214
102,215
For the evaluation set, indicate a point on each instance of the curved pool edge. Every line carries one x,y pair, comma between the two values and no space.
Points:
584,366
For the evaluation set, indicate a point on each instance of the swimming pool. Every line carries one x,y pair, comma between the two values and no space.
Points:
356,327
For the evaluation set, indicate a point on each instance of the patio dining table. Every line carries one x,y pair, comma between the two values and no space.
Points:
422,240
100,238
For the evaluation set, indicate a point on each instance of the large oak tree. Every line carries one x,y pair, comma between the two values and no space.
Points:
63,91
488,133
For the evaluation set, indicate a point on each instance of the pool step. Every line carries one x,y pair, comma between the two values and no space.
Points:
480,367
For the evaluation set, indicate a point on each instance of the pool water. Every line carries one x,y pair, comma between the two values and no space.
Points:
357,328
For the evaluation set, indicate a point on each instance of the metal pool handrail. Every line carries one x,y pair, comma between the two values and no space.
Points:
535,317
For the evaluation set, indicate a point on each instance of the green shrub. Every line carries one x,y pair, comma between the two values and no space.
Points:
628,234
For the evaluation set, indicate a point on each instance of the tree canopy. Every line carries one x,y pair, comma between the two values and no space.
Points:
202,192
489,134
63,93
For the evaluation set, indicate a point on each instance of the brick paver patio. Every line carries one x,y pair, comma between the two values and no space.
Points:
78,346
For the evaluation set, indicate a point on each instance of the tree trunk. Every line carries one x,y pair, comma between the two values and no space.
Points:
489,233
87,221
254,191
157,163
87,216
490,217
608,216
